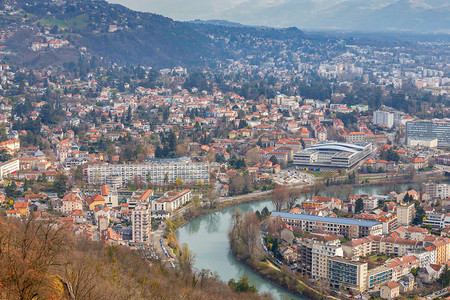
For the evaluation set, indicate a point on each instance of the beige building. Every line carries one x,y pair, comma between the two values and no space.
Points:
321,252
390,290
346,273
141,223
405,213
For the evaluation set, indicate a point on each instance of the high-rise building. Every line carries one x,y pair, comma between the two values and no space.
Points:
141,223
383,118
321,252
405,213
429,130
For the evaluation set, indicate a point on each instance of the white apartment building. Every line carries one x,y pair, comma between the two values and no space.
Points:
171,201
437,191
141,224
159,171
8,168
383,117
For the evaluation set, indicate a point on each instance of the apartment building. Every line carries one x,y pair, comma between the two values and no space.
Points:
141,223
378,276
9,167
338,226
321,252
357,138
380,245
346,273
405,213
158,171
383,118
171,201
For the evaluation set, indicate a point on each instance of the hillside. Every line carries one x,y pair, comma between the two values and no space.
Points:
43,260
119,35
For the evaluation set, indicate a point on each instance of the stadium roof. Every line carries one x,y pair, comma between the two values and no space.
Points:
325,219
336,146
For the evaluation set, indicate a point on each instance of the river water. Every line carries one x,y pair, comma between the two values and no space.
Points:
207,237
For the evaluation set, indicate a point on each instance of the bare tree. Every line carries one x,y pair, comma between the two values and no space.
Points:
28,250
294,194
280,196
250,232
252,156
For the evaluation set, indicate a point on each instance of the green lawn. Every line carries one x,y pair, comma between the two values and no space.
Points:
80,21
51,22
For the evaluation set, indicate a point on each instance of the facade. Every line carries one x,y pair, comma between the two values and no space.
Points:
383,118
429,130
331,156
141,223
405,214
357,138
350,228
390,290
8,168
378,276
321,252
171,201
158,171
347,273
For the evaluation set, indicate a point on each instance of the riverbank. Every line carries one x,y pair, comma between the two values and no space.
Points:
244,237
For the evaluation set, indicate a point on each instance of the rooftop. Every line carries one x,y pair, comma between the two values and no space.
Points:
325,219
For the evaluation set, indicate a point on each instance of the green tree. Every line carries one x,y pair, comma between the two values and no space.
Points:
359,205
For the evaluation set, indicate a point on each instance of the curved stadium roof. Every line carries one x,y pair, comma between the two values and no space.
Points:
337,147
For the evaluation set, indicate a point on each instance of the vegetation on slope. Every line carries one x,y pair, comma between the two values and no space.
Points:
43,260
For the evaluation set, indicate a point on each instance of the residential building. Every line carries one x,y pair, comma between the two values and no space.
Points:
171,201
383,118
390,290
158,171
338,226
141,223
378,276
405,213
321,252
346,273
9,167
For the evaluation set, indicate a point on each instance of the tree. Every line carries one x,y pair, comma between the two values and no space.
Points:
166,178
27,252
359,205
4,155
280,196
11,190
294,194
274,160
178,182
242,286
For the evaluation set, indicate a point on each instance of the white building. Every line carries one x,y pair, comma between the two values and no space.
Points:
171,201
158,171
383,118
9,167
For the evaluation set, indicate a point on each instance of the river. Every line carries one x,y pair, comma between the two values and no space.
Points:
207,237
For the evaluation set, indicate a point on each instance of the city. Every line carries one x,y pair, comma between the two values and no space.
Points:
342,144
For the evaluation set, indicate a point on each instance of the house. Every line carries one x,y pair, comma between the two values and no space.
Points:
94,201
287,234
430,273
390,290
